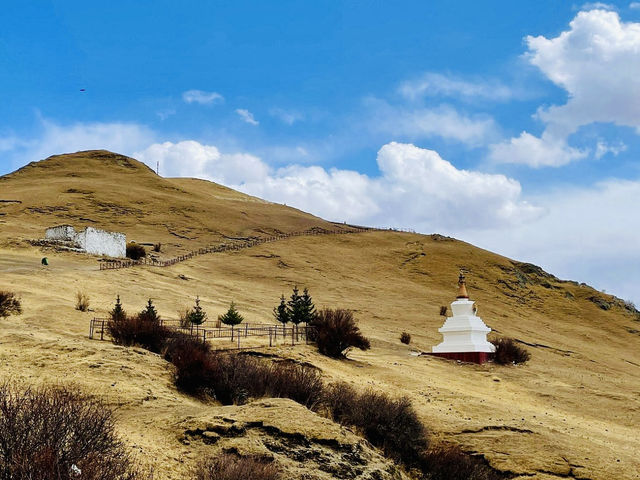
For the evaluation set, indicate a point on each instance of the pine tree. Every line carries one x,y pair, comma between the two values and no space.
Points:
307,307
150,313
232,317
281,313
296,313
118,312
197,315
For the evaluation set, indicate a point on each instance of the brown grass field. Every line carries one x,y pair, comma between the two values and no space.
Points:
573,411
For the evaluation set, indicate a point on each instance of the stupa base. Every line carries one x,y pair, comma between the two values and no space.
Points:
471,357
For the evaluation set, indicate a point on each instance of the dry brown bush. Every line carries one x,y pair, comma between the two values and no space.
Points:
405,338
138,330
232,467
82,301
508,352
9,304
336,331
135,251
448,462
55,433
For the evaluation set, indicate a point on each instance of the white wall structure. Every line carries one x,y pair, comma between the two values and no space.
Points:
91,240
464,331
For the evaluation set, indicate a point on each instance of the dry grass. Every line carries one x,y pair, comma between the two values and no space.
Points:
232,467
9,304
82,301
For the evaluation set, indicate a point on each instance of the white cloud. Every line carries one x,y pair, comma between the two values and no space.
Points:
286,116
202,97
420,123
597,6
596,61
247,116
588,234
602,148
634,5
535,152
417,187
436,84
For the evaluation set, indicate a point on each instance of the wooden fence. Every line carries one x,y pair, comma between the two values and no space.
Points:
118,264
294,334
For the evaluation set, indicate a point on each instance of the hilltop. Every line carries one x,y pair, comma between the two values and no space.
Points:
572,412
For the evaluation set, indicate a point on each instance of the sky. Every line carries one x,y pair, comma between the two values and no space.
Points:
514,126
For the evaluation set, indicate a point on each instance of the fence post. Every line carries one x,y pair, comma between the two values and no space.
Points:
102,331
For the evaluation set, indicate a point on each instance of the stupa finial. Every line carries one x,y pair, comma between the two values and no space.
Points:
462,286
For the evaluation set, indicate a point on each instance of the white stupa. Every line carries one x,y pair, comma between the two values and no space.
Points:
464,334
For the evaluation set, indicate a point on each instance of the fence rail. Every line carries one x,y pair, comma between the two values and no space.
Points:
296,334
223,247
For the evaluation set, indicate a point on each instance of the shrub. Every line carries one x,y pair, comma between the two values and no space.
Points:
135,251
389,424
82,301
55,433
195,369
157,247
301,383
137,330
509,352
446,462
9,304
232,467
336,332
405,338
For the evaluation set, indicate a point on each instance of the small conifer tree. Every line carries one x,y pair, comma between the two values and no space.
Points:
150,313
118,312
232,317
307,307
296,312
197,315
281,312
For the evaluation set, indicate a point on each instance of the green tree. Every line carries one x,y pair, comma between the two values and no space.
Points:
307,307
197,316
281,312
118,312
295,308
232,317
149,313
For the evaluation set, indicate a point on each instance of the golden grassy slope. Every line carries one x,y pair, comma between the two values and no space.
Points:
573,411
114,192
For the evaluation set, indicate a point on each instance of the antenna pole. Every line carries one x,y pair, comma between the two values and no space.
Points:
158,167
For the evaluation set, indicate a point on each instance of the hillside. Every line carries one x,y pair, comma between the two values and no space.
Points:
572,412
114,192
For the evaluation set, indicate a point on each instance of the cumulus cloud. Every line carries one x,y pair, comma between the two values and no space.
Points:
419,123
587,234
535,152
603,148
202,97
596,61
247,116
437,84
597,6
416,187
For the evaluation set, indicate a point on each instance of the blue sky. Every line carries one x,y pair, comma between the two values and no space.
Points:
512,125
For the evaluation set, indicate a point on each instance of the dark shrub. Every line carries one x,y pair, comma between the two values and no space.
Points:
301,383
135,251
137,330
9,304
336,332
405,338
193,361
55,433
390,424
509,352
157,247
232,467
447,462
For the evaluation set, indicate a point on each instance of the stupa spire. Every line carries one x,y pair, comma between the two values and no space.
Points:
462,287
